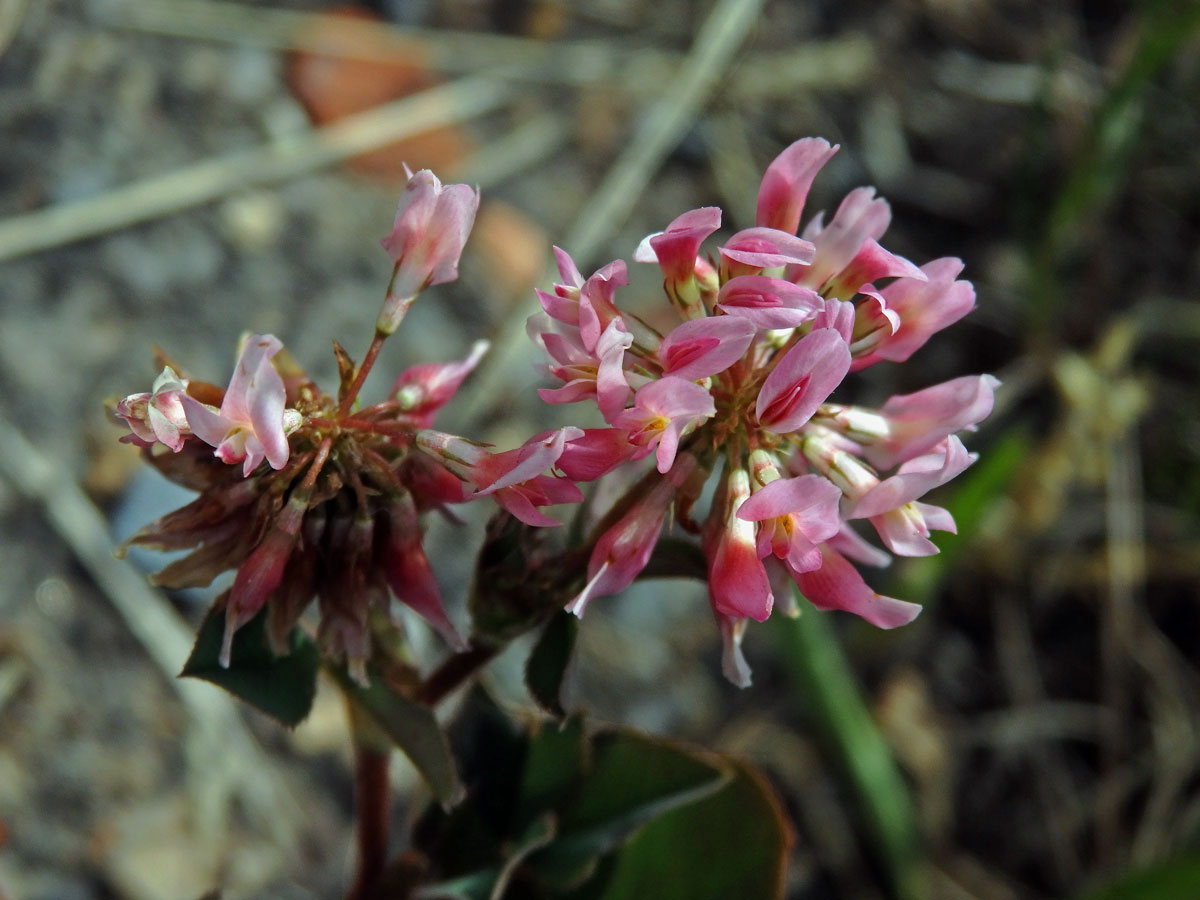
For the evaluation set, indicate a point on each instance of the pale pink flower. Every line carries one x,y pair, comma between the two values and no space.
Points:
802,380
513,478
623,551
424,389
861,217
676,251
891,506
597,373
786,183
252,423
837,585
738,586
157,416
427,238
753,400
924,307
908,425
662,413
794,515
704,347
768,302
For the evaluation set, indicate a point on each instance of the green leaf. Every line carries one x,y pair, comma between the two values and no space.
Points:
549,661
633,779
413,728
823,676
283,687
1174,879
734,843
554,762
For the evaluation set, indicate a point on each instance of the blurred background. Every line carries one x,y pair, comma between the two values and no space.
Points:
177,172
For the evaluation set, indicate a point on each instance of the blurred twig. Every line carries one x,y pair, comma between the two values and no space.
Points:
12,13
224,759
634,66
282,158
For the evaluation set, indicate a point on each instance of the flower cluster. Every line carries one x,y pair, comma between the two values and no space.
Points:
741,390
309,495
305,495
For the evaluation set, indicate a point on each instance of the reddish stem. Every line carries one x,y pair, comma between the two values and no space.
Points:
361,375
372,799
454,671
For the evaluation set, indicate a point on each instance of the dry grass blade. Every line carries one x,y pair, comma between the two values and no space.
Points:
444,49
224,759
281,159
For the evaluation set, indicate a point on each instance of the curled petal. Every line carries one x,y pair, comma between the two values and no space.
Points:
676,248
925,307
733,661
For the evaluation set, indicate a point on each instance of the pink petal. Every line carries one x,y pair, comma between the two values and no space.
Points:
837,585
802,380
738,586
704,347
925,307
676,248
919,421
915,478
872,262
596,452
765,248
787,180
768,302
860,218
810,500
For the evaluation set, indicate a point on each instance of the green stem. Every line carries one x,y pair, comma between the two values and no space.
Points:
822,675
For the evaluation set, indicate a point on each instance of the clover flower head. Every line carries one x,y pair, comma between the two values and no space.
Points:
743,391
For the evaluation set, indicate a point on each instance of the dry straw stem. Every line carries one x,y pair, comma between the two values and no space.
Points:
841,62
658,133
280,159
224,759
